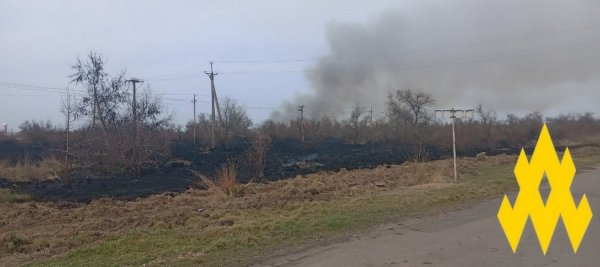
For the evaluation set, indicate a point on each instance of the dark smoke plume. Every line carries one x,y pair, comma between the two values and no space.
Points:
514,56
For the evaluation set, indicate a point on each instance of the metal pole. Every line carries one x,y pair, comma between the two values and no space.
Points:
301,109
194,101
454,146
134,111
68,129
212,125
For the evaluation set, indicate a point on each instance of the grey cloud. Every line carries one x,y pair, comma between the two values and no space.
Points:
514,56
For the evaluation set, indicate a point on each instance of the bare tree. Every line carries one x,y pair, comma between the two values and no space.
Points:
150,119
67,108
113,100
150,109
489,121
397,113
409,108
106,95
415,103
36,131
358,121
117,146
235,119
90,73
487,116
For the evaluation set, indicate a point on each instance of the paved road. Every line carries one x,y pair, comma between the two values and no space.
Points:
469,236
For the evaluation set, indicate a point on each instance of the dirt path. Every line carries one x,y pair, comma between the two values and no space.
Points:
468,236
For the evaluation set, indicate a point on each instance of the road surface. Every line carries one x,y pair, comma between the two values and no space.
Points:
468,236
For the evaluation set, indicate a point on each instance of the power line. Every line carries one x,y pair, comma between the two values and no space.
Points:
183,75
174,75
174,99
444,62
266,108
187,94
193,74
183,100
421,50
31,86
34,88
30,95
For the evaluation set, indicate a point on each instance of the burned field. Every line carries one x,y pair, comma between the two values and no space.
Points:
206,226
217,139
127,155
285,159
38,230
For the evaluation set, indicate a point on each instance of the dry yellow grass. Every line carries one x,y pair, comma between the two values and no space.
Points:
206,227
225,183
53,228
31,170
227,179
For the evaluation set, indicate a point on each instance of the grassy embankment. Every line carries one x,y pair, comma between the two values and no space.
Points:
258,230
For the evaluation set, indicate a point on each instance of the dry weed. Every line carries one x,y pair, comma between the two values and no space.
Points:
227,179
28,170
257,155
225,182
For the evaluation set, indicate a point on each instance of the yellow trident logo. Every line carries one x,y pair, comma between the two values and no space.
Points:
560,202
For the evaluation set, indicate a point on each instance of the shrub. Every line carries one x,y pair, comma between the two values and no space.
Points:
225,182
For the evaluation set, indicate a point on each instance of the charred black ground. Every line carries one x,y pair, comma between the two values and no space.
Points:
285,159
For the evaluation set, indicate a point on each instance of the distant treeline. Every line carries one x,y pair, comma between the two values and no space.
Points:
114,138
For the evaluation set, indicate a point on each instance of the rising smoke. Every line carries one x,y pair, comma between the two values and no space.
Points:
514,56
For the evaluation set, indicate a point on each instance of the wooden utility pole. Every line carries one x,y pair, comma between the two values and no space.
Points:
214,103
301,109
194,102
134,81
453,117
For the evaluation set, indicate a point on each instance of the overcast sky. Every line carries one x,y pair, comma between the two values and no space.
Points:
168,44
